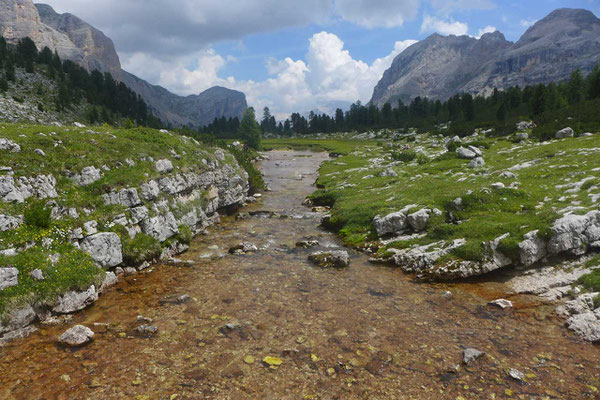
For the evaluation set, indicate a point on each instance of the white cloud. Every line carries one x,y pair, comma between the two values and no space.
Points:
377,14
526,23
451,27
487,29
328,74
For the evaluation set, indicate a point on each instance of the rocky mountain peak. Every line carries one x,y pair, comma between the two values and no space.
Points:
441,66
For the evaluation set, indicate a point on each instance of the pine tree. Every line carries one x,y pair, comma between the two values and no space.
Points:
575,87
250,130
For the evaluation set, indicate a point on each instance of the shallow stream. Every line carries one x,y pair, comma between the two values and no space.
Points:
366,332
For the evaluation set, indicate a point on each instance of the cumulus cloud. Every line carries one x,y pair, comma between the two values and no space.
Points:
328,74
487,29
526,23
383,13
451,27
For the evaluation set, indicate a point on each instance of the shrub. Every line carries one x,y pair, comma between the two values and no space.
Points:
254,175
139,249
37,214
404,156
185,235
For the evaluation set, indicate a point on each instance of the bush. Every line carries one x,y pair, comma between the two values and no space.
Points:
185,235
38,215
404,156
139,249
254,175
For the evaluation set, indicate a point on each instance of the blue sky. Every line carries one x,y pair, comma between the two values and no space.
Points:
290,55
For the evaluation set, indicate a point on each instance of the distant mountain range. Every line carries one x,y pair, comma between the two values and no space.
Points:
439,67
76,40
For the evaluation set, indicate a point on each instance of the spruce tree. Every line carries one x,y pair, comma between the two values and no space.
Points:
249,129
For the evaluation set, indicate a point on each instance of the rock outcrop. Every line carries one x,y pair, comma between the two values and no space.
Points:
439,67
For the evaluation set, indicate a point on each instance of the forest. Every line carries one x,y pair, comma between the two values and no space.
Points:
549,105
108,100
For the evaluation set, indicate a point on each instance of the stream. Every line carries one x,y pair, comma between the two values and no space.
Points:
365,332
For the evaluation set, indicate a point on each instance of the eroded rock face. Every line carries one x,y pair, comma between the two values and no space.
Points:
532,249
104,248
390,224
17,319
20,189
574,233
160,227
71,302
8,277
9,145
586,325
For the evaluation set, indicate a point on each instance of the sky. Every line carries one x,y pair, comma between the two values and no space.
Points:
290,55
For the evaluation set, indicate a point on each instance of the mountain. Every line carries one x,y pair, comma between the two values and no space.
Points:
195,110
76,40
98,51
439,67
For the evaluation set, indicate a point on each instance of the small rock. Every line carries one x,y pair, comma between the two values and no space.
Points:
40,152
37,274
465,153
243,248
164,166
470,355
516,375
332,259
498,186
147,330
447,295
8,277
565,133
477,163
76,336
501,303
307,243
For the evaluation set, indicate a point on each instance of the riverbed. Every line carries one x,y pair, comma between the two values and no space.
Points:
365,332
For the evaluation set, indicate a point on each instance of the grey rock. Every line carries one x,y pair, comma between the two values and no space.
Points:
565,133
419,220
105,248
516,375
465,153
109,280
498,186
586,325
574,233
587,134
138,214
390,224
126,197
532,249
9,277
87,176
164,166
525,125
147,330
160,227
470,355
9,145
40,152
76,336
150,190
244,247
522,136
72,301
37,274
330,259
475,150
8,222
17,319
90,228
477,163
502,303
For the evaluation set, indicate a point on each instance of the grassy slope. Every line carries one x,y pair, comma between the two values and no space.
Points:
352,185
67,150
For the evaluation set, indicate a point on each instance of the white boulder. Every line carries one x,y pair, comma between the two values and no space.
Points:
104,248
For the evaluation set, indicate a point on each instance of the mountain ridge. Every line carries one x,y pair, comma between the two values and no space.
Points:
441,66
76,40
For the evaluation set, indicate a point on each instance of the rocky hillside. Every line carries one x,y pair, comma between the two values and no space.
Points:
79,207
439,67
76,40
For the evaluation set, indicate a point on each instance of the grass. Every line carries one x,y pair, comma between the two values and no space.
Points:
357,191
127,158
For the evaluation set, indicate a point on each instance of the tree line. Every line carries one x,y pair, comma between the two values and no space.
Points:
108,99
500,110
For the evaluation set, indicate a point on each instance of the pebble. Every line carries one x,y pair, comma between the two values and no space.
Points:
502,303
